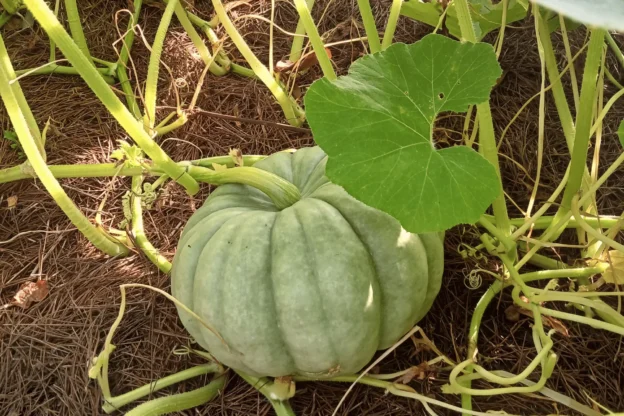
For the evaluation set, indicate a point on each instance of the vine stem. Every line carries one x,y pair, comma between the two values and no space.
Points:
544,222
73,18
15,87
487,140
63,70
138,231
267,388
4,18
124,56
114,403
10,6
36,159
297,44
586,197
282,193
53,28
204,53
393,19
151,83
487,147
374,44
180,401
578,165
568,50
96,170
294,114
317,43
615,49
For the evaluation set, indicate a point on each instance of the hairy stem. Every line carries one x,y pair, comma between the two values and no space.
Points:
151,83
96,170
578,165
374,44
281,406
16,89
124,56
544,222
296,49
114,403
393,18
315,39
10,6
294,114
180,401
63,70
615,49
282,193
204,53
487,140
75,26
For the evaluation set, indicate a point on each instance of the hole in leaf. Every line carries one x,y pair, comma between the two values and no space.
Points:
441,96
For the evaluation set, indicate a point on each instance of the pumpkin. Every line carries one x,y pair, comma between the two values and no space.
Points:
313,289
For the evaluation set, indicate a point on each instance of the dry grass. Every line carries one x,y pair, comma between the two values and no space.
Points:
45,351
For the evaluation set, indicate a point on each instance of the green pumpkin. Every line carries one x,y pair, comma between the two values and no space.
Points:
313,289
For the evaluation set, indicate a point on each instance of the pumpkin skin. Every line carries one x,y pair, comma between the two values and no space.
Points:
314,289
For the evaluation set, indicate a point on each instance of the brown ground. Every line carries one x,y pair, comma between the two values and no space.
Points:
45,351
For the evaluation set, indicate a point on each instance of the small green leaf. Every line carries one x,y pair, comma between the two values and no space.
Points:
428,13
375,124
486,16
621,133
606,14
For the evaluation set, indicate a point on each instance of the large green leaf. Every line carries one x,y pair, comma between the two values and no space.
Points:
606,14
376,124
621,133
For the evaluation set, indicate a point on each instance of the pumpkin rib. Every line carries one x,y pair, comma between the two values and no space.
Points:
184,246
249,302
277,315
317,283
217,306
363,326
336,201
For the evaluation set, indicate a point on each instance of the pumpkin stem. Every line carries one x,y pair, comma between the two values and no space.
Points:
282,193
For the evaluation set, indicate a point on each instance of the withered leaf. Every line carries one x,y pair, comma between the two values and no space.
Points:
237,156
513,312
283,66
12,201
615,272
29,293
236,112
309,60
419,372
306,62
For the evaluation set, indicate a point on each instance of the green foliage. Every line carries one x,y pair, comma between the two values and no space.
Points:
486,16
377,131
128,154
605,14
14,143
148,197
621,133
